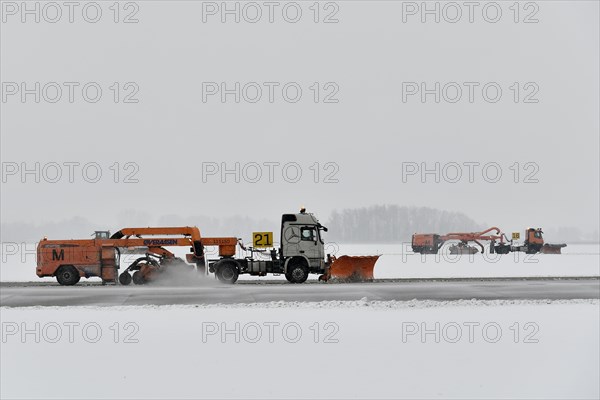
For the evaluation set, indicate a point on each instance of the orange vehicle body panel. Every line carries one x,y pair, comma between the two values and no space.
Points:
85,255
423,239
227,245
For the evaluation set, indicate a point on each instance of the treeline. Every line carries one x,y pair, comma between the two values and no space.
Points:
392,223
375,224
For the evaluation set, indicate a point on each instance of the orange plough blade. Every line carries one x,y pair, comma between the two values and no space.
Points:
552,248
351,269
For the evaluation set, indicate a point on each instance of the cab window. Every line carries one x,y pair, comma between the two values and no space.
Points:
102,234
308,234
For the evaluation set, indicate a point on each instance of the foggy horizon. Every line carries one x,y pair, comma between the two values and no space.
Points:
243,226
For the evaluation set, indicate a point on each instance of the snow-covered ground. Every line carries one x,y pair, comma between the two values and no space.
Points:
360,349
397,261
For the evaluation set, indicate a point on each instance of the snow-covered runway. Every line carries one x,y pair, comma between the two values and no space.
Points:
212,292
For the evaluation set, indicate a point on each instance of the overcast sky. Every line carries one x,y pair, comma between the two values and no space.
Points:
364,121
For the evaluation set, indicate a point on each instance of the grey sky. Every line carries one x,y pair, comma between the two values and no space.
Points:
369,133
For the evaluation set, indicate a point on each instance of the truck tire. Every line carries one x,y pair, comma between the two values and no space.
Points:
288,277
297,272
502,249
227,271
533,249
417,249
67,275
125,278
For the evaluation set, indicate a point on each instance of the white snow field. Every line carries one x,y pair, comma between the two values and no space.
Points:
397,261
359,349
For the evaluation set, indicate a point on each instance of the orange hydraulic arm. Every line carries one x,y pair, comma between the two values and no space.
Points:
188,231
191,238
476,236
430,243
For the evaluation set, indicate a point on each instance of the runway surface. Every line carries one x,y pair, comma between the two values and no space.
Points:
24,294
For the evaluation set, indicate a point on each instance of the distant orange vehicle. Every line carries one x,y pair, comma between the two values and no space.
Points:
430,243
69,260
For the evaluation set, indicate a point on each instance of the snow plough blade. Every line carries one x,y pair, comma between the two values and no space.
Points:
459,250
351,269
549,248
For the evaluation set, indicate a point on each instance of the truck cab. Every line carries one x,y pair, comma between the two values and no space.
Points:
534,240
302,252
301,239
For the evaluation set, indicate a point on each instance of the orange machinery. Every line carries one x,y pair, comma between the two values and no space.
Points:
69,260
350,268
430,243
301,252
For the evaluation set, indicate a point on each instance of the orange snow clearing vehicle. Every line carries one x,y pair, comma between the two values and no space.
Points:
301,253
69,260
430,243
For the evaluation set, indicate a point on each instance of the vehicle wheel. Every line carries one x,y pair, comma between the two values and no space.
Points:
227,272
125,278
288,276
297,272
67,275
138,278
502,249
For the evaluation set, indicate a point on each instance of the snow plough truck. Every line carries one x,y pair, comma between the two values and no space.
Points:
301,252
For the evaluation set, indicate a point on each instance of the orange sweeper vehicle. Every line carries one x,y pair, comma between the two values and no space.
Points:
430,243
301,253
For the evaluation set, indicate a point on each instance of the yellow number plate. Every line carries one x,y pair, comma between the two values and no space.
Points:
262,239
516,235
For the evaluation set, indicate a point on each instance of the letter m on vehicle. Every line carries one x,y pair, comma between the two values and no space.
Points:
58,255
